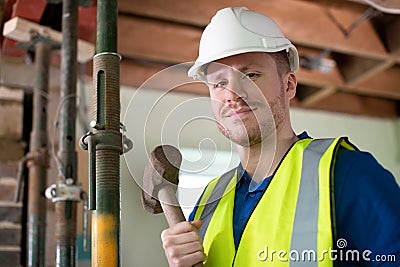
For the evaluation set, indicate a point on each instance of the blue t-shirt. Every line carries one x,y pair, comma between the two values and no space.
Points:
367,205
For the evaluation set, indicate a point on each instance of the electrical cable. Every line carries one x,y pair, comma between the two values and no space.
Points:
368,14
57,159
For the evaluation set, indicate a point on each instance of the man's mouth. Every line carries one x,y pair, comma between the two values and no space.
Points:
239,112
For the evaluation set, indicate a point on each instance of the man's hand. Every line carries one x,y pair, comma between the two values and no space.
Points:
182,244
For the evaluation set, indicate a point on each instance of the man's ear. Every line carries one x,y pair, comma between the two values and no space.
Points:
291,84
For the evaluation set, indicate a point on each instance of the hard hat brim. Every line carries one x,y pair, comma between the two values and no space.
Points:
197,67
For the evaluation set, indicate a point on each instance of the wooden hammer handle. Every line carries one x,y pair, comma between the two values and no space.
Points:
169,203
172,209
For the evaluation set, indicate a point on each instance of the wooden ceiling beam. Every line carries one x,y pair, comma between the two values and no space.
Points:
356,69
166,32
156,40
353,5
161,42
194,12
358,105
371,72
320,32
392,37
22,30
323,32
383,84
317,96
134,74
381,81
198,12
388,28
152,76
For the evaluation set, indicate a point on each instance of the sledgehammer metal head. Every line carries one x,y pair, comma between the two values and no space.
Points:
160,181
160,173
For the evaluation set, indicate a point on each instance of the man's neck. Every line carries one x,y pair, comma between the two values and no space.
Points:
261,160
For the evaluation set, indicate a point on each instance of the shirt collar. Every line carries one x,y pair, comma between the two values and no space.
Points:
245,180
303,135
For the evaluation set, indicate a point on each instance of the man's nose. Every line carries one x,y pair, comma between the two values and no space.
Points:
235,91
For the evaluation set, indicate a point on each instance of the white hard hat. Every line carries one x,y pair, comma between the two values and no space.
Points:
238,30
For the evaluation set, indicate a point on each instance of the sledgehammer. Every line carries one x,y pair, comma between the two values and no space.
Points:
160,181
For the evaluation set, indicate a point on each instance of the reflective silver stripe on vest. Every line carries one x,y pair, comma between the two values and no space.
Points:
305,225
213,200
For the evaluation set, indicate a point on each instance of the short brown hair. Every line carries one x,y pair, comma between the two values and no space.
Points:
282,62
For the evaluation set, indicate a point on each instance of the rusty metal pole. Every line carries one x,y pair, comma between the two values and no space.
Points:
106,104
66,210
38,162
106,140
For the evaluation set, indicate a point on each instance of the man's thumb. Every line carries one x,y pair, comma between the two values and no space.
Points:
197,223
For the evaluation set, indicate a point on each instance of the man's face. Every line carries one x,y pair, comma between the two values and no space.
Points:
248,97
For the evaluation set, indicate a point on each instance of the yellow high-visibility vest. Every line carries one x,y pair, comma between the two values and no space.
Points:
291,224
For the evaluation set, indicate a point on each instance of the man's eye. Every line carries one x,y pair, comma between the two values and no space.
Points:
220,84
251,75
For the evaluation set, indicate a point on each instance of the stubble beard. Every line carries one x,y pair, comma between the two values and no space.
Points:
248,134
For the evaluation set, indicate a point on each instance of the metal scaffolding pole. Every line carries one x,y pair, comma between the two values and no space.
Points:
66,210
106,106
38,160
105,141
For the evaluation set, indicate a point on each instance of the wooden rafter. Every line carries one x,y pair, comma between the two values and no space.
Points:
156,34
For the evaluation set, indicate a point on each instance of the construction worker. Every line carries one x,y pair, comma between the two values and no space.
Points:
293,200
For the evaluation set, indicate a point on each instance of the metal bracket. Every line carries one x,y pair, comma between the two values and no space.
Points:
95,141
39,157
64,191
36,38
67,191
127,144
